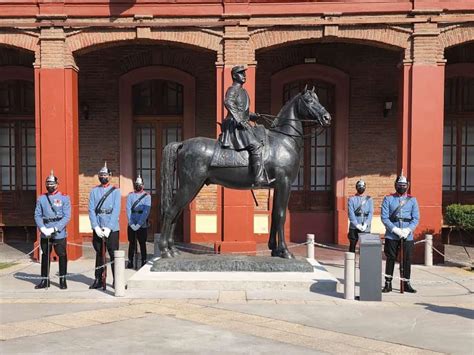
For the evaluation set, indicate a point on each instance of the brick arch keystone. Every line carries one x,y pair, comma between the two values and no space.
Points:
87,39
382,36
457,35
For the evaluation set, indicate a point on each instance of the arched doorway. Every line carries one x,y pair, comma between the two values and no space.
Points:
458,142
17,147
157,120
156,108
318,197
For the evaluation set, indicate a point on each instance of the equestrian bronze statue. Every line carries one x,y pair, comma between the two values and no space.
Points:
198,161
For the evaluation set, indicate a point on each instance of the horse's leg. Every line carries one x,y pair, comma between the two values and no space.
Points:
280,204
272,244
187,190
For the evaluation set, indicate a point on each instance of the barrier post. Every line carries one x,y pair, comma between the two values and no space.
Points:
349,276
310,246
428,250
119,270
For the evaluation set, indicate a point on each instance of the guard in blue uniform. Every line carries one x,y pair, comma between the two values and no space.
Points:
361,210
52,214
400,215
104,213
138,210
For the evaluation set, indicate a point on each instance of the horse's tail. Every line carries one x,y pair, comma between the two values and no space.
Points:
168,165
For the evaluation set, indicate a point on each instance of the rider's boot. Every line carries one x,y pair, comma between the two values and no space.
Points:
256,162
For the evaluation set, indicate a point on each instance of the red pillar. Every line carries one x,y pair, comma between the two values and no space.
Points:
57,140
421,144
235,206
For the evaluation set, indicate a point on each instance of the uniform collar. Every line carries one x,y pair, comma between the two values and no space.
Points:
106,185
360,195
54,193
398,195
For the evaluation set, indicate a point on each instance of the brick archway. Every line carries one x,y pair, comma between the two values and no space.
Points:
20,41
85,41
340,80
456,35
382,36
126,83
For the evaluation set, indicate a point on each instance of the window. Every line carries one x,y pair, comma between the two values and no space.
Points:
17,136
16,97
458,141
312,188
17,155
7,155
157,97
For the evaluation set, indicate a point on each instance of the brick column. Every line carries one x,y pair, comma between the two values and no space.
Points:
57,138
236,206
421,129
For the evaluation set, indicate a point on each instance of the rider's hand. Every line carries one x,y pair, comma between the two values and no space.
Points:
244,124
45,231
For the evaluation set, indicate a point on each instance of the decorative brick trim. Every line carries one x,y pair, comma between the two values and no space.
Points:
383,36
457,34
82,41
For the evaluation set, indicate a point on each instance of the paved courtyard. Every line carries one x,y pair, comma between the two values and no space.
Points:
438,319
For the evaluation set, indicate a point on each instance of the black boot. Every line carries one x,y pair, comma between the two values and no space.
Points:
407,287
388,286
43,284
97,284
129,265
62,282
256,162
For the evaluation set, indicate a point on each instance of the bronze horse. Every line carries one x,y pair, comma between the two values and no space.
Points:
193,159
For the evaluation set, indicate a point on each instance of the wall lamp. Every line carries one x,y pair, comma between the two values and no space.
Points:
387,107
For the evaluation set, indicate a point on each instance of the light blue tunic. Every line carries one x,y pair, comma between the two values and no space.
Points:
140,213
56,217
409,214
108,216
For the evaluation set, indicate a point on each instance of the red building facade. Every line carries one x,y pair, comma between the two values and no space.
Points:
88,81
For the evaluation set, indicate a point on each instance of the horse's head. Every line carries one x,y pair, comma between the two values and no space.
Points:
310,108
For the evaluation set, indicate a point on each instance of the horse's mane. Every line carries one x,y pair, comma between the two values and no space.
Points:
285,106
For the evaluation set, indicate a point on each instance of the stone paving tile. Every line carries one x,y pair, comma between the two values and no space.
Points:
10,331
232,297
71,321
39,326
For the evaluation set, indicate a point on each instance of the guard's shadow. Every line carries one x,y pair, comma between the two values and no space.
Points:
457,311
26,277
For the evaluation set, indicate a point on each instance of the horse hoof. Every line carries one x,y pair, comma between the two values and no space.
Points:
174,251
285,254
274,252
166,253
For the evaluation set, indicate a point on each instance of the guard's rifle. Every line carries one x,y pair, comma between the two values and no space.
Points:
135,256
104,265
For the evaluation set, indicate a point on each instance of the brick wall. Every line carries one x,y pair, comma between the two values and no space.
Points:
98,87
373,78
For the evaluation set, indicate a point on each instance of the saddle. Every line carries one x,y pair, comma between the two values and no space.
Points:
231,158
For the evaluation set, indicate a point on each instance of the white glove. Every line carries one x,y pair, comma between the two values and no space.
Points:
359,227
397,231
364,227
405,233
135,227
45,231
51,230
106,232
99,232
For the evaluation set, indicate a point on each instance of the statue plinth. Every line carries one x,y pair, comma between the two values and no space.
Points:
231,263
